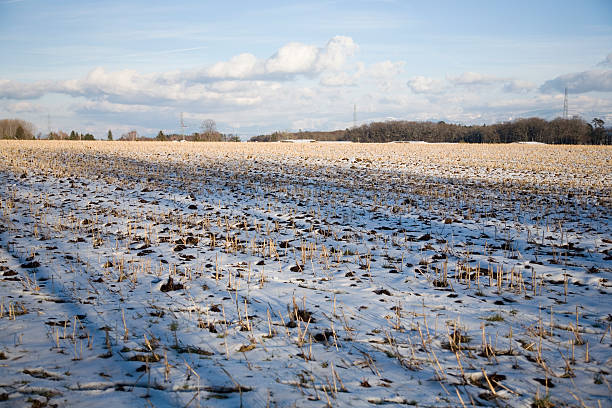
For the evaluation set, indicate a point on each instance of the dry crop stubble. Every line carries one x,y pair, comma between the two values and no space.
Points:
345,272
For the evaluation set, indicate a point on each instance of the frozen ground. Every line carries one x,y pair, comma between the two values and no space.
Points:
154,274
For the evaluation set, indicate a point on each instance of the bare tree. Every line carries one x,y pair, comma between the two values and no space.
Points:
209,131
132,135
209,126
10,127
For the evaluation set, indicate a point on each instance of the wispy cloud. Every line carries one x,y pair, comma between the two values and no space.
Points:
469,81
474,79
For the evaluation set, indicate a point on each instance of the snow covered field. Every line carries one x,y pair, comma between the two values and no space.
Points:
202,274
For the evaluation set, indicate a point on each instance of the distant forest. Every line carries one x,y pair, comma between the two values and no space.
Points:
557,131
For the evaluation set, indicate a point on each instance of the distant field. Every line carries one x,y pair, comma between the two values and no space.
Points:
335,274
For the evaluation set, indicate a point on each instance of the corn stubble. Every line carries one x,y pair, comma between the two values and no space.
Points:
438,275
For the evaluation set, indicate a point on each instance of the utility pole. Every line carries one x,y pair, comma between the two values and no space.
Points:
354,116
183,126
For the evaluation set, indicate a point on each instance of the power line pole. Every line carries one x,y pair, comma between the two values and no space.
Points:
354,116
183,126
565,110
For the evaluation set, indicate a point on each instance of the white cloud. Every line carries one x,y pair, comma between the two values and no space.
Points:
289,61
131,87
299,86
244,87
607,62
334,55
518,86
205,85
108,107
293,58
421,84
24,107
99,82
579,82
345,78
241,66
469,80
338,79
473,78
309,123
386,69
18,90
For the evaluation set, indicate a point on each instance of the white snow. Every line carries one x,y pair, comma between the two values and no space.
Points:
261,274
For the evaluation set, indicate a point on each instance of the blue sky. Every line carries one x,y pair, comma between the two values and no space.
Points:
256,67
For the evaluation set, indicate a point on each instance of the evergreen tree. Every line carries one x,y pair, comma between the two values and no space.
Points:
109,136
20,133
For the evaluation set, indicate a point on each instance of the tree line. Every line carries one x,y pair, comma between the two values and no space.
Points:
556,131
323,136
21,129
195,137
208,133
61,135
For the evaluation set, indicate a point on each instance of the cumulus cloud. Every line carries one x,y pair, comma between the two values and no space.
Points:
131,87
579,82
242,80
335,53
18,90
239,67
289,61
293,58
421,84
101,82
607,62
